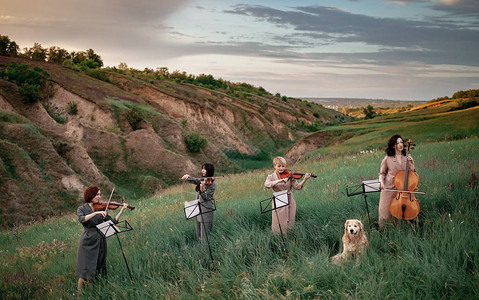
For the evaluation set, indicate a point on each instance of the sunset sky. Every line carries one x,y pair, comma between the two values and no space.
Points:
399,50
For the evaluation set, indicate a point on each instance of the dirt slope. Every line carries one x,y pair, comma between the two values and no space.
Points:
127,133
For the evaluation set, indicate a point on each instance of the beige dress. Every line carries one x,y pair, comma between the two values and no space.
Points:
284,216
389,167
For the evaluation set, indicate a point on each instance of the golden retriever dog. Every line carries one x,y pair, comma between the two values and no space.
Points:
354,241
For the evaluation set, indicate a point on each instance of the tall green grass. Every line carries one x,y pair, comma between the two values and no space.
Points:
434,259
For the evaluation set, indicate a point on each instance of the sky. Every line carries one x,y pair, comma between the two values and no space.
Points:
397,50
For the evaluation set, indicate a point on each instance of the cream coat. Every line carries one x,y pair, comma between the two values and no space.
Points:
389,167
284,216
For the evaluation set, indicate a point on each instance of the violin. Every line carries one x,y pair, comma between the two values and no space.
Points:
112,205
405,205
296,174
102,205
207,180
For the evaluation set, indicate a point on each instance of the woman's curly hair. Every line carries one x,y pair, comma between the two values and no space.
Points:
90,193
390,150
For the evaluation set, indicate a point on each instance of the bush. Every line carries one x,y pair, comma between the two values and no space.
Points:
134,117
195,142
30,92
95,73
369,112
29,81
68,63
72,108
465,105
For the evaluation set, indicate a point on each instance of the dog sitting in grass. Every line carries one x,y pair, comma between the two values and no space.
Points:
354,240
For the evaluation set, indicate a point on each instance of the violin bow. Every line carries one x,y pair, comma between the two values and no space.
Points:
106,208
209,177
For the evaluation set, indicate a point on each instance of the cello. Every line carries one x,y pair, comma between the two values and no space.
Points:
405,205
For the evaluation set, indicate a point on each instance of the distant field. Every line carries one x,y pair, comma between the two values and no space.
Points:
420,125
337,103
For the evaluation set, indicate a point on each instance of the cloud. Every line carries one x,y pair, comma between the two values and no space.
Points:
430,40
117,29
104,11
401,3
453,7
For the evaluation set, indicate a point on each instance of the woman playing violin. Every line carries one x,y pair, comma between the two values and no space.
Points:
394,161
91,256
284,216
205,190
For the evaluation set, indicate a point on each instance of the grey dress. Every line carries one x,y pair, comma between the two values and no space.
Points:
91,256
204,222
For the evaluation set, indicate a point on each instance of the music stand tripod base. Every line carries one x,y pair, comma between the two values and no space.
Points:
280,200
367,186
108,228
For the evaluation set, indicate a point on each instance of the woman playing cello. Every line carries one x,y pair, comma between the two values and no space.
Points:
393,162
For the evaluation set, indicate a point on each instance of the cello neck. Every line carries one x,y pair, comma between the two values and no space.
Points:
406,172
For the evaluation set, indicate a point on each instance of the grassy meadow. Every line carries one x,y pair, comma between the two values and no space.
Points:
444,122
435,259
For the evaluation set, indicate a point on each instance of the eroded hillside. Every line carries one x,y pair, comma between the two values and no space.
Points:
129,133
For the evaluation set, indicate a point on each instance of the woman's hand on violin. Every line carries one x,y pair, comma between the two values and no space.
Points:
102,213
284,180
306,177
123,207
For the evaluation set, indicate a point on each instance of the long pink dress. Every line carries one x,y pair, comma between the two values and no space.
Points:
389,167
284,215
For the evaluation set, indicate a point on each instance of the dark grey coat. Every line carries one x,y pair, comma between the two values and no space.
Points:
91,256
204,221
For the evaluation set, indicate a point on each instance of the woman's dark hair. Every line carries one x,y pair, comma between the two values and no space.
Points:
90,193
210,170
390,151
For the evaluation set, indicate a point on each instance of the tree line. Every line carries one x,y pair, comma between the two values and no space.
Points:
473,93
91,63
52,54
91,60
466,94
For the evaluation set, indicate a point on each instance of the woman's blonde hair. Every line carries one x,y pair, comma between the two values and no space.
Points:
279,160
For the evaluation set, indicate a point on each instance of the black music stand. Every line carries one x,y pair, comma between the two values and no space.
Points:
280,200
195,208
367,186
108,228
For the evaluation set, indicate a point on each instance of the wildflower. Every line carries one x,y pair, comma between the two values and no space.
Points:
308,288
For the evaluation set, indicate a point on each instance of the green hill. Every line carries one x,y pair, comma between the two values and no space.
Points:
449,119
